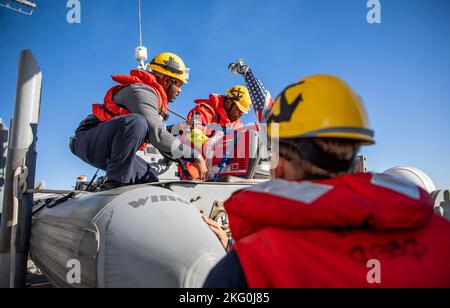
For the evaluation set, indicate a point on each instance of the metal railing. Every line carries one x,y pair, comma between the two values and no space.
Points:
21,6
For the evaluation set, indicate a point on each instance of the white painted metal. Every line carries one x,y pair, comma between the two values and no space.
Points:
14,238
3,152
413,175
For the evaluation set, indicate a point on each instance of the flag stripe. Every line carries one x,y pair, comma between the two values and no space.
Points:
261,98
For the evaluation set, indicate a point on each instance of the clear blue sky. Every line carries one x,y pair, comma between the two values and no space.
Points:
401,67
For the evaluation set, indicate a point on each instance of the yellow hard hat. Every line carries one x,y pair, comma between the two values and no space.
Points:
320,106
241,97
171,65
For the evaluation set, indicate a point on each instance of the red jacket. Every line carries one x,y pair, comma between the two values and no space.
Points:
212,111
323,233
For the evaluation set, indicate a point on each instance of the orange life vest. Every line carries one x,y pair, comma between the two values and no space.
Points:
110,110
212,111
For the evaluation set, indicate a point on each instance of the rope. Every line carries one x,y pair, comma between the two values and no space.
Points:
177,114
225,160
92,181
55,192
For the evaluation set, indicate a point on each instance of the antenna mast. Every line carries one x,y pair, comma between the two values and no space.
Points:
140,23
141,52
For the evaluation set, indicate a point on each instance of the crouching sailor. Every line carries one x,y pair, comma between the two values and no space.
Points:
131,116
220,110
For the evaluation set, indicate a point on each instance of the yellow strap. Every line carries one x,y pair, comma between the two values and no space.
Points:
197,137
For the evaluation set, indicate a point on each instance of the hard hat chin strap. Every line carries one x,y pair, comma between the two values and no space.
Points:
313,153
172,83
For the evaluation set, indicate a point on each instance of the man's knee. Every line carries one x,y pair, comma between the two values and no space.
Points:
136,124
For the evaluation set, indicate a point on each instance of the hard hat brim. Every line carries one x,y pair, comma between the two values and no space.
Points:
366,136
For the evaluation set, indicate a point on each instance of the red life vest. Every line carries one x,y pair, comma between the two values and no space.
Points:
212,111
110,110
325,234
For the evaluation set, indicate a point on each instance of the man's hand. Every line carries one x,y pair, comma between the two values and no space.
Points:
200,164
218,231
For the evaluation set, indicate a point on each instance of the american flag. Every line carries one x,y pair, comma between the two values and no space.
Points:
261,98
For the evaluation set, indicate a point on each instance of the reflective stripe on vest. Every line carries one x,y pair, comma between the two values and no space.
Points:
305,192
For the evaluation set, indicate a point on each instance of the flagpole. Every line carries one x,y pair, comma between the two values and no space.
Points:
261,99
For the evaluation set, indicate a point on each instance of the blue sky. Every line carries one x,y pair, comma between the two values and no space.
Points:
400,67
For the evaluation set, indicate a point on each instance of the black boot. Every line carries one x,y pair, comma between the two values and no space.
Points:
109,185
